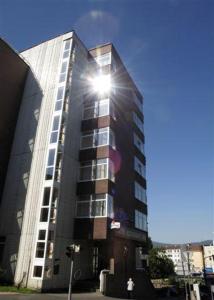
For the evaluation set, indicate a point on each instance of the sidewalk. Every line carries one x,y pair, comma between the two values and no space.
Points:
82,296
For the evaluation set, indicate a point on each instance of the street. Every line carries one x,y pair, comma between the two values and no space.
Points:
82,296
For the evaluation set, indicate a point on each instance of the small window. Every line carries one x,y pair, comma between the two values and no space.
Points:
37,271
51,157
58,105
60,93
62,77
54,136
66,54
46,196
64,67
44,215
40,250
67,44
42,234
55,123
49,173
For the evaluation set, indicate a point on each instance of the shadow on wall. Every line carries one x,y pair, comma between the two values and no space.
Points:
16,184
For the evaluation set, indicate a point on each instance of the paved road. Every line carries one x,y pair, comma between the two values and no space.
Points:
83,296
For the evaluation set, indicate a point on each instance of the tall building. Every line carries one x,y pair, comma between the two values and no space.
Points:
77,171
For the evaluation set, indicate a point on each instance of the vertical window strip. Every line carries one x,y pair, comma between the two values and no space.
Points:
138,143
95,206
138,122
139,167
140,192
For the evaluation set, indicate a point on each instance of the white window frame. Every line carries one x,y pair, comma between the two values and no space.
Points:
96,109
108,199
93,164
104,59
94,136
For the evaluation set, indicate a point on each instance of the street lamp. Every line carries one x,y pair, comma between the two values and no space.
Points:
70,252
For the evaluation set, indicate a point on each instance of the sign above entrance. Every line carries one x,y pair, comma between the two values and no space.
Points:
115,225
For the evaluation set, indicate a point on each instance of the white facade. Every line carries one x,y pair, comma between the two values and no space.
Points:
209,257
44,164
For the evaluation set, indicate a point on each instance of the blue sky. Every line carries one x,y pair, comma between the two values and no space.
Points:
168,48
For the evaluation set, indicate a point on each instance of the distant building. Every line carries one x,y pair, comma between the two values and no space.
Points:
209,258
186,260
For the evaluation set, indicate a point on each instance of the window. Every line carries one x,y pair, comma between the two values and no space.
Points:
67,45
60,93
51,156
58,105
37,271
140,220
46,196
138,259
55,123
44,215
139,143
140,192
49,173
138,122
99,205
40,249
139,167
104,59
42,235
50,168
96,109
97,138
138,102
95,169
63,72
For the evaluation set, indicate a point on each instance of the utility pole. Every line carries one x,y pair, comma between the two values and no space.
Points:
70,252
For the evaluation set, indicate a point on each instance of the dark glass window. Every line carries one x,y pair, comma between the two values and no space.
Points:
46,196
44,215
49,173
60,93
58,105
37,272
51,157
40,249
55,123
42,234
54,137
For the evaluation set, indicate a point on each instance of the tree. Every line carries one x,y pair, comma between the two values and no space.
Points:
160,265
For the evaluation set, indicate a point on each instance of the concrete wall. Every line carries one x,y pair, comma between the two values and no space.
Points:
12,77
